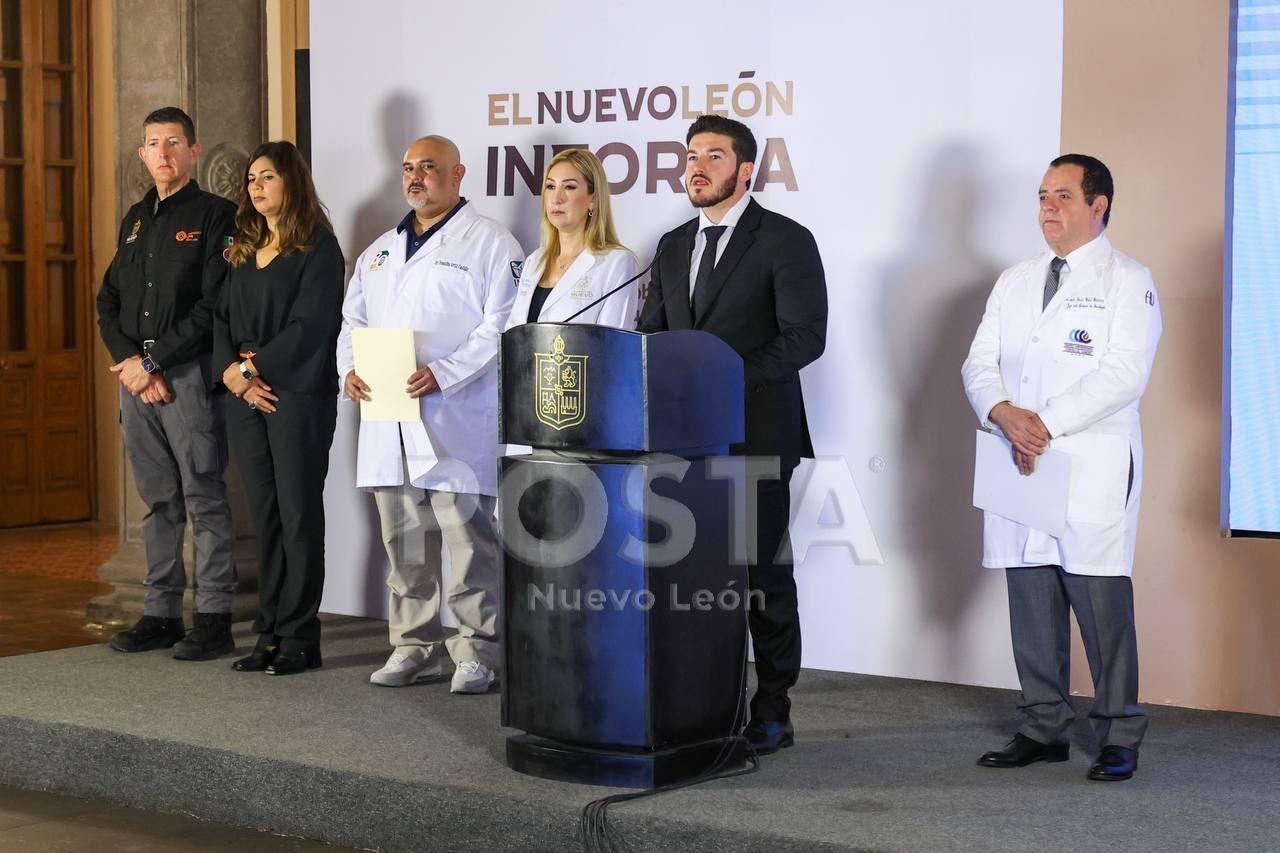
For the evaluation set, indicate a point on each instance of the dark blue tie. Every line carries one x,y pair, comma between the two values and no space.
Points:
705,267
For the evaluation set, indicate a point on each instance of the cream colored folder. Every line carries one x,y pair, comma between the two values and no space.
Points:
384,360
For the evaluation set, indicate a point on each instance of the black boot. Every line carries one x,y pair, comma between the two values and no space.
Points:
264,653
210,638
150,632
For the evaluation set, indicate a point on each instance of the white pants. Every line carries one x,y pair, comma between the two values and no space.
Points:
417,524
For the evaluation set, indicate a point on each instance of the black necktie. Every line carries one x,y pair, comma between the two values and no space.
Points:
1052,280
705,267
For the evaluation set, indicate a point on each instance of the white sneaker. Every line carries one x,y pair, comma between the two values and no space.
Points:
471,677
401,670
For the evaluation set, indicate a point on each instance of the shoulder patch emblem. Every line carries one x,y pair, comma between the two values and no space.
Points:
517,268
133,235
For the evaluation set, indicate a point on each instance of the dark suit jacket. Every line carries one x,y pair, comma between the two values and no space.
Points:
768,300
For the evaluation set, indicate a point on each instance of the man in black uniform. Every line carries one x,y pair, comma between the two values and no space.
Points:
155,312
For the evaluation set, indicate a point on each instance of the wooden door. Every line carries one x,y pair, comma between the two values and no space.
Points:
46,319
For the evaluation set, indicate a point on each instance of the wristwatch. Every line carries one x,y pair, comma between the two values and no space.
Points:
149,365
245,372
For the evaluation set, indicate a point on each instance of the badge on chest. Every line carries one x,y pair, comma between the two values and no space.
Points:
1079,342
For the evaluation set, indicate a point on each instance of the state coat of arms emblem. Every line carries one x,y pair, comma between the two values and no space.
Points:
561,387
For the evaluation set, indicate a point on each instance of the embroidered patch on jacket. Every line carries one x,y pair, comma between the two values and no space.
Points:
188,236
1078,342
133,235
517,269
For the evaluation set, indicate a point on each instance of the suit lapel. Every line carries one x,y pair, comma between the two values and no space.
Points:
675,298
742,238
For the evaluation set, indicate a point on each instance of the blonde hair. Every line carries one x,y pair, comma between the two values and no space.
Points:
600,233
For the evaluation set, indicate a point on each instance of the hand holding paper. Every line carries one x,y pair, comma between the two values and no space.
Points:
1038,500
384,357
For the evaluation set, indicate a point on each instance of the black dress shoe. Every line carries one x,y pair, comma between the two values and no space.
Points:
1022,751
294,661
1115,764
264,652
148,634
766,737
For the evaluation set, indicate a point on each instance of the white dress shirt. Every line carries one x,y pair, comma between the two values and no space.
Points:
729,221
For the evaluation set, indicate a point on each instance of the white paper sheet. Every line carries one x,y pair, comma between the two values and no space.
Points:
384,359
1038,500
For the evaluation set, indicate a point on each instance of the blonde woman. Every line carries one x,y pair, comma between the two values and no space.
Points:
580,259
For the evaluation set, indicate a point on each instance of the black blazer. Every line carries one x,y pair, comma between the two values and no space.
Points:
768,300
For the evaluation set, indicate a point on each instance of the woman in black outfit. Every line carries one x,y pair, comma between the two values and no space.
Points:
275,334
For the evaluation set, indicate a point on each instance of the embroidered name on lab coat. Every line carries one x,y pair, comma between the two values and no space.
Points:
1085,302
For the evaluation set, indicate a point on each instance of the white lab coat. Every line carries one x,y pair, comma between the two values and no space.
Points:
455,293
1082,364
587,279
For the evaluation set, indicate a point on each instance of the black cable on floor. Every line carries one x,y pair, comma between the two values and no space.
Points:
597,835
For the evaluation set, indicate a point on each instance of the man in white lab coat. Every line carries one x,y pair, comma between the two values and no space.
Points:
1059,361
449,274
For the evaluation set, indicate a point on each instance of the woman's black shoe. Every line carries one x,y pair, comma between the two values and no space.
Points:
295,661
263,654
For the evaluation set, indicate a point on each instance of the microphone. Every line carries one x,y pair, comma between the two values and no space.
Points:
633,278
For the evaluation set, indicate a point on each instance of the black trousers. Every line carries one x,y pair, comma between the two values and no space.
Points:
283,460
775,627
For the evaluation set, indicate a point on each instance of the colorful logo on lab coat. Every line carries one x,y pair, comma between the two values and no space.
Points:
1078,342
561,387
379,259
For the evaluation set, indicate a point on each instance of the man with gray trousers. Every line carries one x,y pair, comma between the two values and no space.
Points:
155,314
1059,362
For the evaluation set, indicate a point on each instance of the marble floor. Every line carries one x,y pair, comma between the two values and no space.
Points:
47,577
36,821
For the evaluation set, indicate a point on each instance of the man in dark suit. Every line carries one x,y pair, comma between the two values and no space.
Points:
754,279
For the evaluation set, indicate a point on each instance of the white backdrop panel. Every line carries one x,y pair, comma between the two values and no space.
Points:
916,135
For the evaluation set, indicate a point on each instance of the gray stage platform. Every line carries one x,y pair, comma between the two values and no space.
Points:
881,764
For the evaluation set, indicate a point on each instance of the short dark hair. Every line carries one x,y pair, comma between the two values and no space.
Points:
172,115
744,142
1096,181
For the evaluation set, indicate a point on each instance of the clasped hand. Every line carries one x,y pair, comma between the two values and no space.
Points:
151,387
255,392
1025,431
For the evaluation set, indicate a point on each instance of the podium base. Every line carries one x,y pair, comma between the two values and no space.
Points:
565,762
